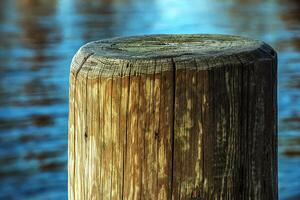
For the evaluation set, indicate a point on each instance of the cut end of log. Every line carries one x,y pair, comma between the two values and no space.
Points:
119,56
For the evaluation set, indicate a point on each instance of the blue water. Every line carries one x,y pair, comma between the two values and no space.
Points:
39,37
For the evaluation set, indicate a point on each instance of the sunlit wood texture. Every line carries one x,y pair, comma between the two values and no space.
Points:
173,117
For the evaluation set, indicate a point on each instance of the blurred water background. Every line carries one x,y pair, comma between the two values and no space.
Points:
39,37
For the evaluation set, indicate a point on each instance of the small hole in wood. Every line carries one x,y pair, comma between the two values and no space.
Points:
85,136
157,135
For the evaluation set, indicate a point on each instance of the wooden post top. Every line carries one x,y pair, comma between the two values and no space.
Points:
164,117
138,54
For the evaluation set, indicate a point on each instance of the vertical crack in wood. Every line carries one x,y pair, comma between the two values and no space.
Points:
184,132
143,156
100,131
111,120
173,125
126,116
243,69
204,108
120,139
137,123
156,132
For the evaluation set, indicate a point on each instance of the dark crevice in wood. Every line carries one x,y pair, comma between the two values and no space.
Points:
156,131
243,129
101,112
126,132
153,100
85,136
138,120
120,139
112,146
173,125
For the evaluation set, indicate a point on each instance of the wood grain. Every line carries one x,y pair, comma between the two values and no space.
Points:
190,117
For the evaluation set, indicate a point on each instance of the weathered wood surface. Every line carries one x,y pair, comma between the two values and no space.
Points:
173,117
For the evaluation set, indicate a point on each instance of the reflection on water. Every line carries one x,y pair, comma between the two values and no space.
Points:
38,39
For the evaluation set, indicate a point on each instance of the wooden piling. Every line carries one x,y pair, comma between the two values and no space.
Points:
191,117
